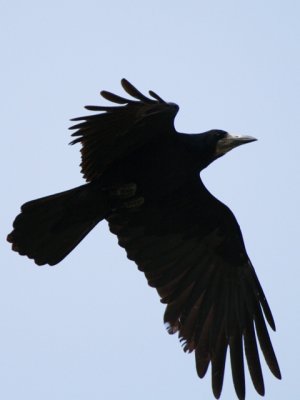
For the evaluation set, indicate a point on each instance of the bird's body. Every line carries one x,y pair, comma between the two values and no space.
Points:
159,168
143,178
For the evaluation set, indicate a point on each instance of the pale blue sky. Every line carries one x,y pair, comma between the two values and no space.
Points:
91,328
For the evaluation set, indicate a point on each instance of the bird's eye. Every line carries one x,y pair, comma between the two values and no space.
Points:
220,135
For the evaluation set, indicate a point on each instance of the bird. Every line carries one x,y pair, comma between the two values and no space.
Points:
143,177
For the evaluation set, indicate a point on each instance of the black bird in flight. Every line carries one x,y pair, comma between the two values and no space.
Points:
143,178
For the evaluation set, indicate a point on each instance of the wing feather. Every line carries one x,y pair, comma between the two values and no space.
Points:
191,250
118,131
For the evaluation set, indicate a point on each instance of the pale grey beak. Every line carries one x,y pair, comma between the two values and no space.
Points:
229,142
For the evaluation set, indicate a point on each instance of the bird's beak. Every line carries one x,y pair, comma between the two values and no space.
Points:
229,142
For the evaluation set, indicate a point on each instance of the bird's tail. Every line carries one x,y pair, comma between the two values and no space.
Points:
49,228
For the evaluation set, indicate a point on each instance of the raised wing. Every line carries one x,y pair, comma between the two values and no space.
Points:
120,130
191,250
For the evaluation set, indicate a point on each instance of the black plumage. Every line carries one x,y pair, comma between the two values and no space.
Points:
143,178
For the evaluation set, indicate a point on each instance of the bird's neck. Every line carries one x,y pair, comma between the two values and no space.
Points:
198,149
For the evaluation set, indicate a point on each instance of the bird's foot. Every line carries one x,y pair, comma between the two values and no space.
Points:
125,191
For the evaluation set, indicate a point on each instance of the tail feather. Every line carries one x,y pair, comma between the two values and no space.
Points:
49,228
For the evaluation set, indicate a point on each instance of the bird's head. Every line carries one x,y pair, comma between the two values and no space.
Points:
220,142
209,146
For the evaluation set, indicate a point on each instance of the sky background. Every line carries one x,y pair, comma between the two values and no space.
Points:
91,328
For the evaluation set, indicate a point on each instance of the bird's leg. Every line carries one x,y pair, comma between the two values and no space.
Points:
124,191
127,192
134,203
